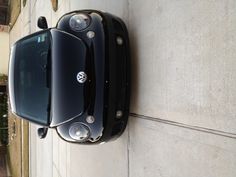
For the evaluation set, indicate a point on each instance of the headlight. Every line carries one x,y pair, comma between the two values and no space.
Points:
79,132
79,22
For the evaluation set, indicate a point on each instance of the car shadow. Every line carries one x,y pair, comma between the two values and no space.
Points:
135,81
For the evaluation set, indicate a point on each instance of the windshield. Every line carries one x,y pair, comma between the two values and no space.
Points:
31,77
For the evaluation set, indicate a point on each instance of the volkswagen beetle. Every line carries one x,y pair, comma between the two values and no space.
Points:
74,77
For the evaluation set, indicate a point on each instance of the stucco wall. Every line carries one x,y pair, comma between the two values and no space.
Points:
4,52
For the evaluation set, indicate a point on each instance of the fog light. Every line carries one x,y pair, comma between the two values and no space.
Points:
79,132
90,34
90,119
119,114
119,40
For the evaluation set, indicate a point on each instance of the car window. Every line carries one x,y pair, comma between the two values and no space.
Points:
31,72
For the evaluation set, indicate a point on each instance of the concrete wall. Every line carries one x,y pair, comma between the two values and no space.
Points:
183,93
4,52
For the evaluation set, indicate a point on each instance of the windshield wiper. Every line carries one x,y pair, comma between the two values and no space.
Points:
48,75
48,69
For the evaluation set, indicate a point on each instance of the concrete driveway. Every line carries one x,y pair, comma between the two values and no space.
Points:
183,110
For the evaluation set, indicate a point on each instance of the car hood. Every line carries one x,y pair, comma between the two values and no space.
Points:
68,96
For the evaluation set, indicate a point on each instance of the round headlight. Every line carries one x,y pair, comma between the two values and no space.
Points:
79,22
79,132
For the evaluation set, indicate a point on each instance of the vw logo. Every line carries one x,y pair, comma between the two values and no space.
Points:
81,77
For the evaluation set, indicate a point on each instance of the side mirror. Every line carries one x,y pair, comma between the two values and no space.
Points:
42,23
42,132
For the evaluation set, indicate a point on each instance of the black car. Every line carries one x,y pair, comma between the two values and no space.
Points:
74,77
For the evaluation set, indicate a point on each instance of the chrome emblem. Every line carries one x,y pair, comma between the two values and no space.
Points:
81,77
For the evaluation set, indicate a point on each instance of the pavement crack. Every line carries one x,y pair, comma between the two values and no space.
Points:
182,125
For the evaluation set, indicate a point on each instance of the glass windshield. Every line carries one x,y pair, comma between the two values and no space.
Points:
31,77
